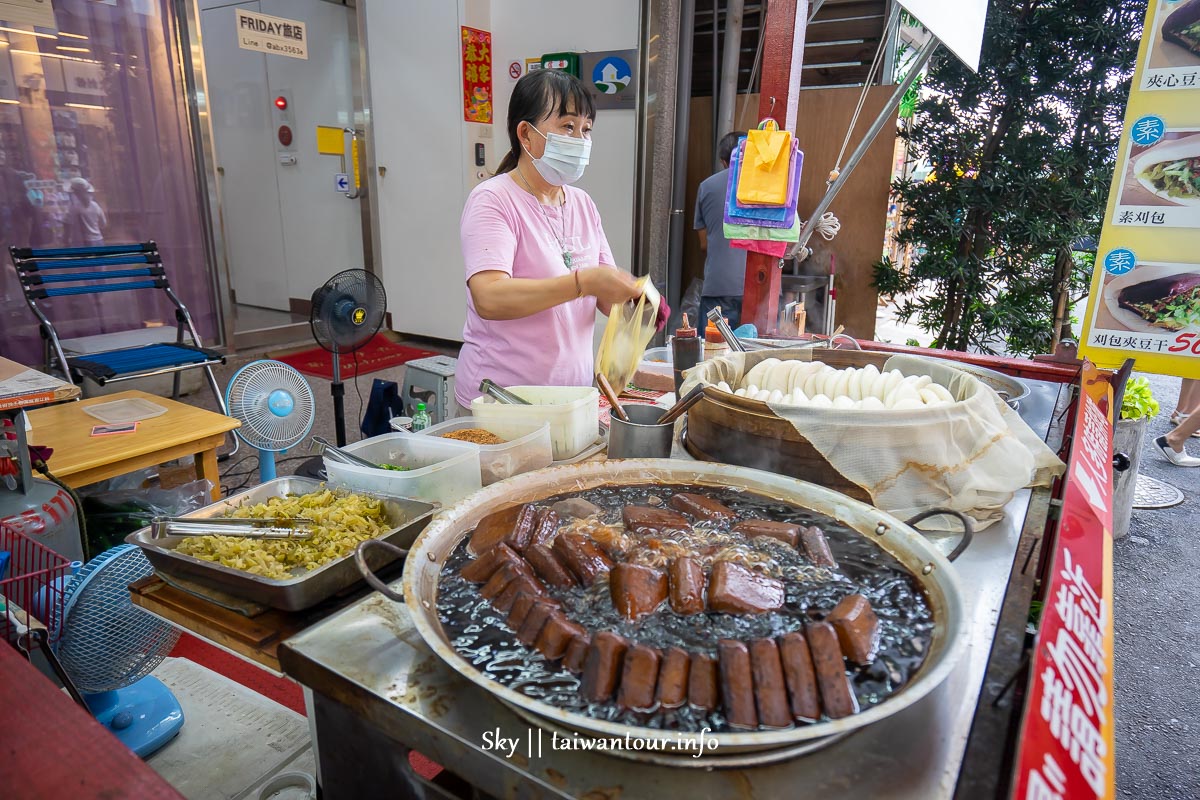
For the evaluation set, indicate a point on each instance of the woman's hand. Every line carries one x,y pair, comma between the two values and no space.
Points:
608,285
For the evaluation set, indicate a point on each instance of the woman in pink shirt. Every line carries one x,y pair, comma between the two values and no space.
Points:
537,262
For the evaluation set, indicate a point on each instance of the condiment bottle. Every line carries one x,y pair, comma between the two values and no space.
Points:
714,342
420,420
686,352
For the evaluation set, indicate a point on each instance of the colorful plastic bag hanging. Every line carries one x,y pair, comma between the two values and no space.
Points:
760,233
776,249
766,169
767,216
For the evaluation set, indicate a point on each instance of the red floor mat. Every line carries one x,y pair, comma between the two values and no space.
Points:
378,353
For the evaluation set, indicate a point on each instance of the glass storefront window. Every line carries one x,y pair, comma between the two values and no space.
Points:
95,146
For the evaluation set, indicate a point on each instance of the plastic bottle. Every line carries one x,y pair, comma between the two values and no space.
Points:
686,352
420,420
714,342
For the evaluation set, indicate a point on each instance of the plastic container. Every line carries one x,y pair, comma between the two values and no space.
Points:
572,411
499,461
440,470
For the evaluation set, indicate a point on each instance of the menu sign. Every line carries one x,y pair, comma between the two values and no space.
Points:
1067,736
1145,296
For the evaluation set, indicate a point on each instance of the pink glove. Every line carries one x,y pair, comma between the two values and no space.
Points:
664,314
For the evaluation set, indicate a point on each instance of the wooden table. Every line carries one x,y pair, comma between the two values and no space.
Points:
80,458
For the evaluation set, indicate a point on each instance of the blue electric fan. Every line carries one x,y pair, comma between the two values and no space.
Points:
275,405
108,649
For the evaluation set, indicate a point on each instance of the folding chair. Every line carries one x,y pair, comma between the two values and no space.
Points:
59,272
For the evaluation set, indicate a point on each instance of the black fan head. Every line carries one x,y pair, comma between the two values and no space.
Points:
347,310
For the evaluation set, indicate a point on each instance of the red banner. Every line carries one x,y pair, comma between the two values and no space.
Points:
477,75
1066,744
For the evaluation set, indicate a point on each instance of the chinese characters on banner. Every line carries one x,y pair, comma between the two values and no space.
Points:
477,75
1145,296
1066,739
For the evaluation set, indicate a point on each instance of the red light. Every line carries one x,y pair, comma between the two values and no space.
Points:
281,103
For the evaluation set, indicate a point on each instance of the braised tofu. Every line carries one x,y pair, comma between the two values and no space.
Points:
493,529
522,533
602,667
686,578
534,620
770,691
734,589
582,556
576,508
484,567
522,584
837,696
737,684
704,690
700,507
500,580
816,548
673,678
801,681
644,520
556,636
857,628
639,677
636,590
520,609
577,653
549,567
545,526
785,532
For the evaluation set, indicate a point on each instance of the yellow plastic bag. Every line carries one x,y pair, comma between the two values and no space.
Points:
630,327
766,167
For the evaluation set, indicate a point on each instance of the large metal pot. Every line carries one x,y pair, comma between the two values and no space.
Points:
930,568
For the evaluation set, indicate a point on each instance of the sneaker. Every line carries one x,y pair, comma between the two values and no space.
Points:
1178,459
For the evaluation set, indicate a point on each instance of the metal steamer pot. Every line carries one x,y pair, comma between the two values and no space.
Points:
922,558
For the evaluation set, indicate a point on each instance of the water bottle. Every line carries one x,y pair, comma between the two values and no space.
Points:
420,420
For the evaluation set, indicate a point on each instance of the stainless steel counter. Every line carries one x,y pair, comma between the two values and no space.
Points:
374,679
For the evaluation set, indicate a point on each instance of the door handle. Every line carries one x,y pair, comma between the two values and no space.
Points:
355,167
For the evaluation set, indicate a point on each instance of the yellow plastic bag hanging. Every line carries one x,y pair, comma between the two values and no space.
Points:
630,327
766,166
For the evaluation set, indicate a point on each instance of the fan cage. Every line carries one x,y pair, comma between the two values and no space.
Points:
246,398
354,288
107,643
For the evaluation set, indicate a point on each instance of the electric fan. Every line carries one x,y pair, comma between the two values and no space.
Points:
275,405
108,648
346,312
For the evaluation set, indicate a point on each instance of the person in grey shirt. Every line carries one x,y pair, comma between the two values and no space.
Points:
724,266
86,219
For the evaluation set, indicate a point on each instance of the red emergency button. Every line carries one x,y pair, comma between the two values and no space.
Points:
281,103
285,135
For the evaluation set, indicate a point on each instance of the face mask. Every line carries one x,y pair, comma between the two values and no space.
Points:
564,160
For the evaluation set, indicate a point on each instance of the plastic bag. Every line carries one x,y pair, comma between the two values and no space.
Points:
970,456
767,166
111,516
630,328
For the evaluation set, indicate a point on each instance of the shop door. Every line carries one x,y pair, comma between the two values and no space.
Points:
286,224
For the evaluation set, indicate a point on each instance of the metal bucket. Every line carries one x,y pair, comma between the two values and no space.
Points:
641,437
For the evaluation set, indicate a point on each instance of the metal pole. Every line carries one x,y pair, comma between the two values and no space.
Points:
730,69
886,115
683,105
816,6
716,79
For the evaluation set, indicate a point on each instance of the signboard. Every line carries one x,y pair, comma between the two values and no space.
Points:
341,182
611,77
958,23
1067,737
1145,296
331,141
532,64
477,75
272,35
38,13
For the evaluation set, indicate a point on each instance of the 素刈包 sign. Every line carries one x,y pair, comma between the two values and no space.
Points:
477,75
1145,295
272,35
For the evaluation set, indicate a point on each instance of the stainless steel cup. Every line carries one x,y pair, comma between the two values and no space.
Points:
641,437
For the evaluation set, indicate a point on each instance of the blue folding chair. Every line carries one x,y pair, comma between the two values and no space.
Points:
47,273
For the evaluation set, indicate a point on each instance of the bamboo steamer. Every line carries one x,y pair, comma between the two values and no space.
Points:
736,430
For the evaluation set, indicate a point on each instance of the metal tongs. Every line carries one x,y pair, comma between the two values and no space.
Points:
244,528
735,344
322,446
501,395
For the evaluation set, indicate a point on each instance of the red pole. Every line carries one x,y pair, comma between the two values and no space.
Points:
783,56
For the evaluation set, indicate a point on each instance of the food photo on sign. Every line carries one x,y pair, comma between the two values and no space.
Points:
1161,183
1174,61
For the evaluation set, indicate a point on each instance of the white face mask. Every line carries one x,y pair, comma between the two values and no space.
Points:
564,159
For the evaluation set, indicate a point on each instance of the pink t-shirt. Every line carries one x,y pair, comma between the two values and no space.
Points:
504,229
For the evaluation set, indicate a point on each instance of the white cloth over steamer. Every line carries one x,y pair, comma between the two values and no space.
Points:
971,456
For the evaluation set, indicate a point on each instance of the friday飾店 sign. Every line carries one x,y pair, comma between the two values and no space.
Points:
273,35
1145,296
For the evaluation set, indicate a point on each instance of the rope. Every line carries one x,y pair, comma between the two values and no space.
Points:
829,226
876,62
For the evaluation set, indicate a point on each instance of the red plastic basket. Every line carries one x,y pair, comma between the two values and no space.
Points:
32,592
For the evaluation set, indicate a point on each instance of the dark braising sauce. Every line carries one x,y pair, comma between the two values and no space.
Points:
481,635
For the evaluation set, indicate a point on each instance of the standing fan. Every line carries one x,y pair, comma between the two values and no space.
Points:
108,648
346,312
275,405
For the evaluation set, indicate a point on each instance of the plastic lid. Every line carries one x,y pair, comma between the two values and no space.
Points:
711,334
685,331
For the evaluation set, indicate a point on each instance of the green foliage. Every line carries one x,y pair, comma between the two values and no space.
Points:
1022,155
912,343
1138,401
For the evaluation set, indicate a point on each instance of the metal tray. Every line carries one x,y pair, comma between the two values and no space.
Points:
408,518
